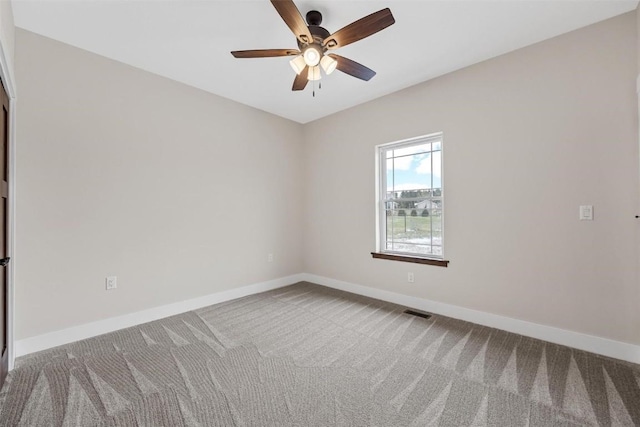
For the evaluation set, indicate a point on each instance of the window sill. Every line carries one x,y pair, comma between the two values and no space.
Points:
409,258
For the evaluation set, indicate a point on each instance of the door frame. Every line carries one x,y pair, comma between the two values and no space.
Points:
7,78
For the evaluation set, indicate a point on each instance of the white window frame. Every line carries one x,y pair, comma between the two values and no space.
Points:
381,191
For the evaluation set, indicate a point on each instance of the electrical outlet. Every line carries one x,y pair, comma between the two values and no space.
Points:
586,213
270,258
410,277
111,282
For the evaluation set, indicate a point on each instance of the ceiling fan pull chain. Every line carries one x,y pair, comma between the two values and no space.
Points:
314,88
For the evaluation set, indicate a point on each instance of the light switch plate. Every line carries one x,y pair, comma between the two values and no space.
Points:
586,213
111,282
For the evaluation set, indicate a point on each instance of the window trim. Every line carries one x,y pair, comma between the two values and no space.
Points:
381,190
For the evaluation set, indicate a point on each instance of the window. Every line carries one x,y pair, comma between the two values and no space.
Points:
410,199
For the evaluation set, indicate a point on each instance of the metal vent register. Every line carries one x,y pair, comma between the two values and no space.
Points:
417,313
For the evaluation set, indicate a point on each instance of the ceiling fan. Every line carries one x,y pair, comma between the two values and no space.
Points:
314,41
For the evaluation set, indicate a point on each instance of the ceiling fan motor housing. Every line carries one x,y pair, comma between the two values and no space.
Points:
314,19
318,34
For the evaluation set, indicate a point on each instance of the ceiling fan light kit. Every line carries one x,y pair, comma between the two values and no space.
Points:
314,74
314,41
298,64
312,54
328,64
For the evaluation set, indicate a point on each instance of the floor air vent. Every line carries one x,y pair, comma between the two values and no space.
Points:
418,313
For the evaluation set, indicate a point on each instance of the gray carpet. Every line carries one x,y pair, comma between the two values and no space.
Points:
306,355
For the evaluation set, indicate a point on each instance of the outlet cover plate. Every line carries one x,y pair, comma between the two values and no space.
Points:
586,213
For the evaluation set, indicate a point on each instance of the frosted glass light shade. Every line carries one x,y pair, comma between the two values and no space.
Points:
312,56
314,73
298,64
328,64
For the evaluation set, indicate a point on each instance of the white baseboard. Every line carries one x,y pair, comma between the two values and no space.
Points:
603,346
598,345
88,330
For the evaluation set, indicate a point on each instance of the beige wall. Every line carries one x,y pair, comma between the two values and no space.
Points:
178,192
7,31
638,34
528,137
181,193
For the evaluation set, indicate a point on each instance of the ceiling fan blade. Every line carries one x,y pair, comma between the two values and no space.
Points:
264,53
360,29
353,68
291,16
301,80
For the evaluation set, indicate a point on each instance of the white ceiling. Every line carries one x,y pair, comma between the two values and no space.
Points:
190,40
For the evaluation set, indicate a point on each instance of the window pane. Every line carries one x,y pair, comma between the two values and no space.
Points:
414,149
437,169
390,227
436,227
408,205
416,249
436,203
417,195
407,172
410,172
424,169
436,216
412,201
402,226
389,174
